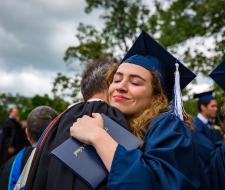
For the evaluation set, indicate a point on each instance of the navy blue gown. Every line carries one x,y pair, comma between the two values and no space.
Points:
167,159
217,166
204,140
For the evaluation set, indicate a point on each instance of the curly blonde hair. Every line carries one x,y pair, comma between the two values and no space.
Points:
223,110
158,105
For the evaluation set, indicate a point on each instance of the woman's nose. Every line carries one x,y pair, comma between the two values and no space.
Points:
122,86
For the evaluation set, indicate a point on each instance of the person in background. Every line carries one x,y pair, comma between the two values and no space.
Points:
37,120
206,118
217,157
205,135
13,138
141,88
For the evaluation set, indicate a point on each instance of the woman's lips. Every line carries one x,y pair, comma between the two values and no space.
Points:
120,98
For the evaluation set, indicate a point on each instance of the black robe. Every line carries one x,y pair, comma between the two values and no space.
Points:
12,135
49,173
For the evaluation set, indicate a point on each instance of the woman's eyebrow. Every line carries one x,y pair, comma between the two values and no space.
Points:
131,75
119,73
137,76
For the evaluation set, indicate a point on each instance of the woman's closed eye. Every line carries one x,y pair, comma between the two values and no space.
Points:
136,82
117,79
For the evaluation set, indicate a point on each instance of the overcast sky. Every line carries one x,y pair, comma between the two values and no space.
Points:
34,35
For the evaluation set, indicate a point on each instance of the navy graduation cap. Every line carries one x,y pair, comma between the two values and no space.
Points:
204,97
218,75
147,53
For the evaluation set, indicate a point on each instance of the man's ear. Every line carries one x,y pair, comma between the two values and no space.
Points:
27,134
203,107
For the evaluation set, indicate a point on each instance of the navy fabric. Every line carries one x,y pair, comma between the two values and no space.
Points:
204,139
217,166
151,53
166,161
148,62
218,75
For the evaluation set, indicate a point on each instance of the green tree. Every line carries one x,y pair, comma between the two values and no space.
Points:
66,87
171,22
123,21
184,20
26,104
171,25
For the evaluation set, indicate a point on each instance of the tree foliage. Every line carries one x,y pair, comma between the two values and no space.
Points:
174,23
185,20
65,86
26,104
171,25
123,20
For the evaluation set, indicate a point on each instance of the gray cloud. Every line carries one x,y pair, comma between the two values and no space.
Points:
37,32
34,35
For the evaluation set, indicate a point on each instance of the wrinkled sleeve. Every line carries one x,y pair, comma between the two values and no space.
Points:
217,166
167,160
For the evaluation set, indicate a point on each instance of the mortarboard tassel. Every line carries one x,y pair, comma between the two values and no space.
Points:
178,104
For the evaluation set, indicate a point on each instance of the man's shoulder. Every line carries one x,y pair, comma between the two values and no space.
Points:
8,122
199,125
83,108
87,108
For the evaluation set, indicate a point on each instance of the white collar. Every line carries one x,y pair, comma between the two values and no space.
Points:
202,118
71,105
95,99
90,100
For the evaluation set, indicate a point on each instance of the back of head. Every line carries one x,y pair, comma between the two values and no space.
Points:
38,119
94,77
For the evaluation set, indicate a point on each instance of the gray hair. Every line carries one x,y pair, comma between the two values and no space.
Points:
94,77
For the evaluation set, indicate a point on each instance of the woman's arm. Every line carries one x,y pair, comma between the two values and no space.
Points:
90,131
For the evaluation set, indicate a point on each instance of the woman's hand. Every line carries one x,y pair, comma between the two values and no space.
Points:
88,129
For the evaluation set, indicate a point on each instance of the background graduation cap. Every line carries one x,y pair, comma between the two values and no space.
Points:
146,46
218,75
204,97
148,53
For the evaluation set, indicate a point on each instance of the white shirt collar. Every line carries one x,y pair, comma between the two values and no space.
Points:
202,118
95,99
90,100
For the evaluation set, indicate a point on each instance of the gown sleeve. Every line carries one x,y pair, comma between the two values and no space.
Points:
217,166
167,160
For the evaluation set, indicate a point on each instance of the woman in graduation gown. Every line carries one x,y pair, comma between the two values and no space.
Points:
167,159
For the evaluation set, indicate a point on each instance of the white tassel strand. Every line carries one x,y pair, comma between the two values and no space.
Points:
178,104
